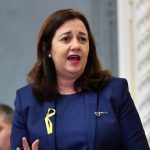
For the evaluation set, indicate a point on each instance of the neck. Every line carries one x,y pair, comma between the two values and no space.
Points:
66,86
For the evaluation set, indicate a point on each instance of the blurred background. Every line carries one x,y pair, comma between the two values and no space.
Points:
122,34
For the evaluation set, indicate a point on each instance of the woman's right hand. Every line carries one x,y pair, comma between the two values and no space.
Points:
26,145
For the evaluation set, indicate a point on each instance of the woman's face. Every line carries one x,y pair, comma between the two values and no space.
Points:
70,48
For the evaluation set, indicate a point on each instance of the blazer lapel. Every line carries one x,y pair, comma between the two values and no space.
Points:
90,108
51,137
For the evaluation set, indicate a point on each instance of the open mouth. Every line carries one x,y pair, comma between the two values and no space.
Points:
74,58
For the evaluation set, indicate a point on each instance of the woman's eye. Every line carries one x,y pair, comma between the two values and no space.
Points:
65,39
83,39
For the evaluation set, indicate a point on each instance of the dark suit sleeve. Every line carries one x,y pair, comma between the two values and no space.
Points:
131,128
19,128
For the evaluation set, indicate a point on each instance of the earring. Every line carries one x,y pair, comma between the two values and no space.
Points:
49,55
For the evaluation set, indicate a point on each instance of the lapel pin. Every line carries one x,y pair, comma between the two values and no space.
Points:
100,113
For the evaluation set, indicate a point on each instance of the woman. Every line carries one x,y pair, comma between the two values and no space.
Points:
71,103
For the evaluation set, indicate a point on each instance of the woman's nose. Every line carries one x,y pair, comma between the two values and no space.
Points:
75,44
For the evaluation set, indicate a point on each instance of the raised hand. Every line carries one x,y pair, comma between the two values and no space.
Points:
26,145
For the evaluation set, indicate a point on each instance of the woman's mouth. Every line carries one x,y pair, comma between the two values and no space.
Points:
74,59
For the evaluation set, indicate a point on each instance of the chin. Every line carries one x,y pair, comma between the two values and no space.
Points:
76,72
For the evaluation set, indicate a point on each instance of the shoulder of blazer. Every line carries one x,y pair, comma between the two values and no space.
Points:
118,85
116,81
26,88
115,86
24,96
116,92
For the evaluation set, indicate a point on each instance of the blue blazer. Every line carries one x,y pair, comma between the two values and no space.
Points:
115,126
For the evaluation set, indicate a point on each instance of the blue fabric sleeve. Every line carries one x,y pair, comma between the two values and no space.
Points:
19,127
131,127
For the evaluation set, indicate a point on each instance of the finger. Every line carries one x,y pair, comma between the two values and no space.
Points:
35,145
18,148
25,144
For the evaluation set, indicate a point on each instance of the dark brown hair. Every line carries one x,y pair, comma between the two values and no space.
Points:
43,73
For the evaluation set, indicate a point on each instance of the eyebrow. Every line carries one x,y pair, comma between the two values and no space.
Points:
69,32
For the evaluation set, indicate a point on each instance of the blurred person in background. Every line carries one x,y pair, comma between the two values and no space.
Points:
6,113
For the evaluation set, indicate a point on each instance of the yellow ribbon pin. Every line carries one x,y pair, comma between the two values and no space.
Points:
49,126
